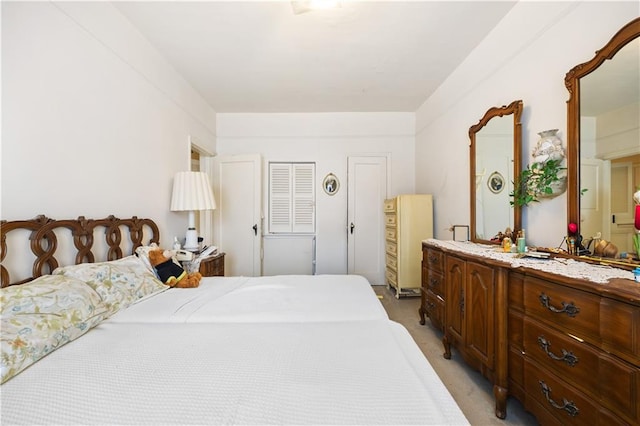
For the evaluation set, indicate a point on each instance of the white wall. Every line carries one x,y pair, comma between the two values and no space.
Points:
618,132
525,57
94,121
326,139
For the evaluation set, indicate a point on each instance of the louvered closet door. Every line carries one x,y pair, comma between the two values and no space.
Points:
291,198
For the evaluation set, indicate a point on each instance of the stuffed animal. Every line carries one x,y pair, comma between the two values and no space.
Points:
170,272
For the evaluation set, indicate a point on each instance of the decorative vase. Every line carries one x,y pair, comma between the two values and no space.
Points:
549,147
558,187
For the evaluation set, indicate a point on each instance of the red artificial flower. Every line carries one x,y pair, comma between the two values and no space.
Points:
573,228
637,221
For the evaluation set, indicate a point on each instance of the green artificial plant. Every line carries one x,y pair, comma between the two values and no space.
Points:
537,181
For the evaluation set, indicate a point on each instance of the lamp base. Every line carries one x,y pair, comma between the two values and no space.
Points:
191,240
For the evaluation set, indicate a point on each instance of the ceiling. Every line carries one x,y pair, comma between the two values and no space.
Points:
363,56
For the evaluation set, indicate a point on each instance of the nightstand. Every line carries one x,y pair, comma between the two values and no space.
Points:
212,266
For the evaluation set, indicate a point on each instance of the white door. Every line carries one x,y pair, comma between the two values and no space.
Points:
622,205
593,201
237,218
367,190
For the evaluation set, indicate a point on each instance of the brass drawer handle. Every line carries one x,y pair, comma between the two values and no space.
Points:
568,406
433,259
433,282
567,356
568,308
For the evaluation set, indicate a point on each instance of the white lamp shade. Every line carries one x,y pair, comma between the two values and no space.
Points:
192,191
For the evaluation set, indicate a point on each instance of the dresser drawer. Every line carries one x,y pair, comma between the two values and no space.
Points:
516,291
392,277
435,309
620,387
434,260
575,361
390,205
620,329
390,234
392,248
516,373
390,219
576,312
557,397
515,329
435,283
392,261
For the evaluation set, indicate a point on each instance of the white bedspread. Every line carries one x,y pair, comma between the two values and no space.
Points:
354,372
284,298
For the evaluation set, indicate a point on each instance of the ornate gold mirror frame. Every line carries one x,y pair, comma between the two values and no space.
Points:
503,184
628,33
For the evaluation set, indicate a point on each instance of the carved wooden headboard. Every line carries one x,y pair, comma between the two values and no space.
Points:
76,240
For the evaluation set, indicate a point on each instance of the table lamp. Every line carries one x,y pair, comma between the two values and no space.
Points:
191,192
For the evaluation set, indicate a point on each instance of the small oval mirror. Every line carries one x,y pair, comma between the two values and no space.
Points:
331,184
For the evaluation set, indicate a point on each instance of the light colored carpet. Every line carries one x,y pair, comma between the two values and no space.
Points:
469,388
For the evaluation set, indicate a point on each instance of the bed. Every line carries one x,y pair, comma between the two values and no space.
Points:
281,298
118,347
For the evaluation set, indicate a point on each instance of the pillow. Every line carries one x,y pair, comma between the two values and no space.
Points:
51,294
143,254
41,316
119,283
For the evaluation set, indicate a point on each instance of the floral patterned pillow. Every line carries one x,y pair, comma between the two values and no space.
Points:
143,254
120,283
41,316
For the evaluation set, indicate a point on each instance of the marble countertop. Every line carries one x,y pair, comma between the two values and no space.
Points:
561,266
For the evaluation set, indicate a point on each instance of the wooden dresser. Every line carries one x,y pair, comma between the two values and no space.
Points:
408,221
568,348
574,349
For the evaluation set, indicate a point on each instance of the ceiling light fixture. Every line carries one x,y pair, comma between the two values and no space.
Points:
303,6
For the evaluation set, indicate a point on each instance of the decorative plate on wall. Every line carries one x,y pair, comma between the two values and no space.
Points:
331,184
496,182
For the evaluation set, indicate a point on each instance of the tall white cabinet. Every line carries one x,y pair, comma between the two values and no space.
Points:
408,221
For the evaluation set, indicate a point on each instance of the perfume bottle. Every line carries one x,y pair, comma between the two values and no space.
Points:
521,242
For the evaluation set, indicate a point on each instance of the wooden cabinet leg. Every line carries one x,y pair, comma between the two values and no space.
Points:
422,312
500,395
447,347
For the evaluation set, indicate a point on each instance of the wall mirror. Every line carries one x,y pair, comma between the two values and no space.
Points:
603,139
331,184
495,161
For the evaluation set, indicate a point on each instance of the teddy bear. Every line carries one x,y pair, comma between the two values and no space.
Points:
170,272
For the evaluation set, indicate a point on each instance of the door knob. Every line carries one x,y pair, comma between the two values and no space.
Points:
255,229
351,227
